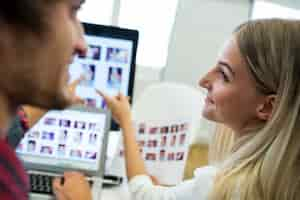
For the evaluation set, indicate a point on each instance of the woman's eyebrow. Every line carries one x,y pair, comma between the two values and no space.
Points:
227,66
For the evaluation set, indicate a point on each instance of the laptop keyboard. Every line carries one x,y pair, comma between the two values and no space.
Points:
41,183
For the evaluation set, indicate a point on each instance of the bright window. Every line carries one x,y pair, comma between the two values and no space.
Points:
97,11
263,9
154,19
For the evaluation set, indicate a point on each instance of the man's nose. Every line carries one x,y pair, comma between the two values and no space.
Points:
81,46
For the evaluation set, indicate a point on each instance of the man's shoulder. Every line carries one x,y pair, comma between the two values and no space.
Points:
13,178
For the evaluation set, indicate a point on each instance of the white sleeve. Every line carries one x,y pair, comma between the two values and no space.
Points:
198,188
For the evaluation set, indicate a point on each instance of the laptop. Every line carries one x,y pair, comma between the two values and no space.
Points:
71,140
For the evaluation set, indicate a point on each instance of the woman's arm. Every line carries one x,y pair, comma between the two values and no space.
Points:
120,109
134,163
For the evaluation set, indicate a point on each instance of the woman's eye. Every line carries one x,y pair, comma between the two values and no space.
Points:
224,76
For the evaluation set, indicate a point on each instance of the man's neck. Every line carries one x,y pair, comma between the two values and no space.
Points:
7,112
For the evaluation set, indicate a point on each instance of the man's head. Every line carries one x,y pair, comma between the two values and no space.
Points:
28,14
38,41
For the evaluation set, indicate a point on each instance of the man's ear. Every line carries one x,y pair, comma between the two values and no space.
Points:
264,110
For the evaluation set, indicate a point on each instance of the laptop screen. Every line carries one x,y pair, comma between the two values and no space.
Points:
66,140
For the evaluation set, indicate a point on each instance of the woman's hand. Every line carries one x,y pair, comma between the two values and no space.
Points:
119,106
75,187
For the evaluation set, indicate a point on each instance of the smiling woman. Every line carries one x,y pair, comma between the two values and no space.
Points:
225,84
254,92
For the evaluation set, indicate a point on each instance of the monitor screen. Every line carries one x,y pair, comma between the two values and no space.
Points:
65,139
109,64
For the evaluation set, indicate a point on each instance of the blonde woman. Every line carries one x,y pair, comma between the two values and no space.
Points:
254,90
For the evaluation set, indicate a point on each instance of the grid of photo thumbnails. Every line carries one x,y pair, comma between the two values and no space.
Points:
162,143
115,59
63,138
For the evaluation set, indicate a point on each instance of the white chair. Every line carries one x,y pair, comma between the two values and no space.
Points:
161,105
173,101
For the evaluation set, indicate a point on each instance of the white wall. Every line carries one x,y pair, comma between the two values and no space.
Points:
144,77
201,27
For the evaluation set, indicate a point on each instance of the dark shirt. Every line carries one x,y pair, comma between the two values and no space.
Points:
17,129
14,184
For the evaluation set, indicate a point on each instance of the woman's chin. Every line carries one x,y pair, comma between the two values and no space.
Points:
208,114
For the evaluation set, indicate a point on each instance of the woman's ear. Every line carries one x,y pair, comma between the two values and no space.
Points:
265,109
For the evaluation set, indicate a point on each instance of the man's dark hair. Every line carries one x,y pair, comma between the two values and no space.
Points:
28,14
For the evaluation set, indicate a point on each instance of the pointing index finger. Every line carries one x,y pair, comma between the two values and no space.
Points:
105,97
101,93
75,82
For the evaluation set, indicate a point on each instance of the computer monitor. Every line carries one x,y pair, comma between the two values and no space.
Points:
109,64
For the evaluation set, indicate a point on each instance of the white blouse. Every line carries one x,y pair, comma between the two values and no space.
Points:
198,188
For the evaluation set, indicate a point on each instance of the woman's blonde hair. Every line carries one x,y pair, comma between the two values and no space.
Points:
221,144
265,165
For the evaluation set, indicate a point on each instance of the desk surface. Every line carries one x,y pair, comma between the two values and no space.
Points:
116,193
117,167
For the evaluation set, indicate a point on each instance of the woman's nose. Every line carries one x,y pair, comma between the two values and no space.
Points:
206,81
